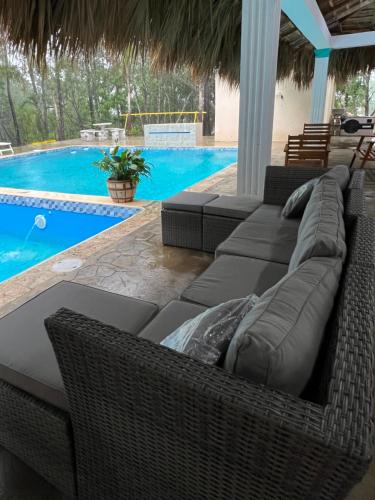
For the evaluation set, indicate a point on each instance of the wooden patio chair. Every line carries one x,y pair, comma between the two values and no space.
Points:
317,129
309,150
365,153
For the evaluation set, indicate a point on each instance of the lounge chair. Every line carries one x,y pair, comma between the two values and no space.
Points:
6,147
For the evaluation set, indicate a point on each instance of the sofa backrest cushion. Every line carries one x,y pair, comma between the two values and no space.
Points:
340,174
277,342
322,229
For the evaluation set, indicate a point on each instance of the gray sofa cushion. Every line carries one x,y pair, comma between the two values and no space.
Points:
298,200
235,207
322,229
170,317
187,201
271,215
27,359
206,337
340,174
277,343
274,243
232,277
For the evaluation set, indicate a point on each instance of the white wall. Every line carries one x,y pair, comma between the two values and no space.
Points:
292,110
227,111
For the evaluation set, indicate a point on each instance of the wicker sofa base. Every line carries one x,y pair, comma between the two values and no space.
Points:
40,435
182,229
217,229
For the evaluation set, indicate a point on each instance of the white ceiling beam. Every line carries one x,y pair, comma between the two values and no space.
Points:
307,17
365,39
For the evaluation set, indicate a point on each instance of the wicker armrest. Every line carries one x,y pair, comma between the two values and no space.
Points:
280,182
170,427
357,180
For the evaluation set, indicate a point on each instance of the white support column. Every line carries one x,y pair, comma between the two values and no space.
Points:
259,49
319,85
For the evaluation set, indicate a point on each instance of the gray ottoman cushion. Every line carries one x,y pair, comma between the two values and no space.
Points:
261,241
27,359
322,229
172,316
340,174
231,277
278,341
235,207
187,201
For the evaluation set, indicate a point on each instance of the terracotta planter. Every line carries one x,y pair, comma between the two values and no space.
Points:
121,191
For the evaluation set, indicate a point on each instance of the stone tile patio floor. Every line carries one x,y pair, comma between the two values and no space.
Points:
140,266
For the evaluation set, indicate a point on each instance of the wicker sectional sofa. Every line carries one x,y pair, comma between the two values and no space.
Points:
108,413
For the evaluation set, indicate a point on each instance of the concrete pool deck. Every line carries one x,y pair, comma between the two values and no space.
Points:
130,259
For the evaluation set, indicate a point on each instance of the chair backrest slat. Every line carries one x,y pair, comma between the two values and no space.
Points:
307,149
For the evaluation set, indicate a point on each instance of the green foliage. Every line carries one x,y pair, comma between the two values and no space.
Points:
357,95
126,165
69,96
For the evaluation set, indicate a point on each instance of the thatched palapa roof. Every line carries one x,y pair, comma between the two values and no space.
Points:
203,34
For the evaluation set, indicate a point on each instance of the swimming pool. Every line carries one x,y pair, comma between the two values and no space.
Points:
70,170
32,229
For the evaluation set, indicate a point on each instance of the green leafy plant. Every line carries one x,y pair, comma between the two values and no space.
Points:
127,165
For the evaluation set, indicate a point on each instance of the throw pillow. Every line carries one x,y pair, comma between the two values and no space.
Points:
206,337
298,200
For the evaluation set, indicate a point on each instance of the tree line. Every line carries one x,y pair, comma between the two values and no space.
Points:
70,95
357,95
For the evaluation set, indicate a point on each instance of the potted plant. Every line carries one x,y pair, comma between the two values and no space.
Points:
124,168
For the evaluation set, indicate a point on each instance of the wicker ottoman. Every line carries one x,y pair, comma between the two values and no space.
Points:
222,215
181,218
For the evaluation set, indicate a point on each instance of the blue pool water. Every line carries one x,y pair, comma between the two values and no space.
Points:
70,170
22,245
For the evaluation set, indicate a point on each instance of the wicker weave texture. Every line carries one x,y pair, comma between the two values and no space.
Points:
216,230
355,203
357,180
280,182
40,435
182,229
170,427
361,247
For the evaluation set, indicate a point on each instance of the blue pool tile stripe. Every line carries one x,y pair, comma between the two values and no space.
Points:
69,206
71,149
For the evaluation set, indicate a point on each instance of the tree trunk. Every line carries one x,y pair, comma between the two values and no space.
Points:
367,93
12,108
75,105
44,105
90,92
36,100
59,104
126,73
204,105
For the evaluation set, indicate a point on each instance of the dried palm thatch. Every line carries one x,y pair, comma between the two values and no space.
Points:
202,34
